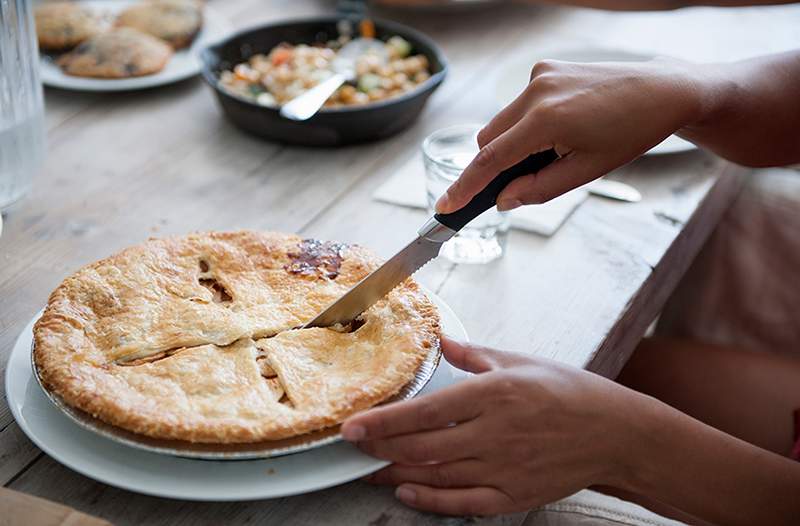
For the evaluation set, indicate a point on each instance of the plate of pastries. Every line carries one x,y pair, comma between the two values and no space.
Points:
110,45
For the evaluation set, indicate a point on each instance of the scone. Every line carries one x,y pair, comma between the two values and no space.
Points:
119,53
64,25
198,338
174,21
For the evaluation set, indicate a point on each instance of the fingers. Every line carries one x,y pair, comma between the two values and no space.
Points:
463,501
477,359
560,177
442,445
508,117
516,110
458,403
509,148
460,474
467,357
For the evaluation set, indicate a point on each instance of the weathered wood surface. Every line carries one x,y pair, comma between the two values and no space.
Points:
19,509
122,168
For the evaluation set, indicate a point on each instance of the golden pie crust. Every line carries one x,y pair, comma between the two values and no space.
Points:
175,21
64,25
193,338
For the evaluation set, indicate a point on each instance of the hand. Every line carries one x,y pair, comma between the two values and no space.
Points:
597,117
521,433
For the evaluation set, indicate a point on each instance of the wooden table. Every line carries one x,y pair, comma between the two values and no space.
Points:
124,167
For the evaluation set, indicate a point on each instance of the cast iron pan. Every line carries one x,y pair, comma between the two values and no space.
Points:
329,127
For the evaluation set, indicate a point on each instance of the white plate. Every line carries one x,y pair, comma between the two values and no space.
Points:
184,63
513,78
179,478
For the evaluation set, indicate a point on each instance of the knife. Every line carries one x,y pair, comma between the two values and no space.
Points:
614,190
425,247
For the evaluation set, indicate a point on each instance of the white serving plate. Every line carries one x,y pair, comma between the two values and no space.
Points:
512,79
204,480
184,63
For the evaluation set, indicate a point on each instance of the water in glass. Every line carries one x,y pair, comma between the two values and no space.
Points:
21,108
447,152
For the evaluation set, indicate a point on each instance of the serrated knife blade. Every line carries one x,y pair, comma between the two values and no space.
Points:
380,282
425,247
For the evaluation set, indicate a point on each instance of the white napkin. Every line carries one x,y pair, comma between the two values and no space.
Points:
407,188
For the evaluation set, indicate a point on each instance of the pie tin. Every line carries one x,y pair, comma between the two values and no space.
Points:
245,451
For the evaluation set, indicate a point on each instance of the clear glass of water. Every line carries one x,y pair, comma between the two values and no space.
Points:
22,143
447,152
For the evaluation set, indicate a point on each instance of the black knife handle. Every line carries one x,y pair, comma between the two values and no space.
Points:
487,198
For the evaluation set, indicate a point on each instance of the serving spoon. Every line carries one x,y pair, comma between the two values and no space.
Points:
307,104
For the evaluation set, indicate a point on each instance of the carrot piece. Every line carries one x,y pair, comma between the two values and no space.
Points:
367,28
281,55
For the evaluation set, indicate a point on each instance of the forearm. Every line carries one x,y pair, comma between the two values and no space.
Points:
750,110
686,464
618,5
657,5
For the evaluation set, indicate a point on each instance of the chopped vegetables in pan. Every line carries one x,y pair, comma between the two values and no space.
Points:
288,70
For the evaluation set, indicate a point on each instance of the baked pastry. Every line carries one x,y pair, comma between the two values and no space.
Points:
195,338
119,53
175,21
64,25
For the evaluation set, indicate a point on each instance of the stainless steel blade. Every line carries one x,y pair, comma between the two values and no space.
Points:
614,190
378,284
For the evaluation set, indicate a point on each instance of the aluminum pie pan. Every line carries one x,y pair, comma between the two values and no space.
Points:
244,451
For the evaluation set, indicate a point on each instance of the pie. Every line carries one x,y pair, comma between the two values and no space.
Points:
119,53
64,25
197,338
176,21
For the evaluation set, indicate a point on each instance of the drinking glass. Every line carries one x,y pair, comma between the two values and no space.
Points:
447,152
21,108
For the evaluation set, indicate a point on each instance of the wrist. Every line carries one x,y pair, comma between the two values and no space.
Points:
689,89
642,422
710,90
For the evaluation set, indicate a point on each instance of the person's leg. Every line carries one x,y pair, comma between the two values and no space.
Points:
742,289
750,395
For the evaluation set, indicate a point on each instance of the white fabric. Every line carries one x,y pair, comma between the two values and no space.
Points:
407,188
589,508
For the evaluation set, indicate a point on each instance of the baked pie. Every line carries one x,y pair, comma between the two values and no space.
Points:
175,21
196,338
63,25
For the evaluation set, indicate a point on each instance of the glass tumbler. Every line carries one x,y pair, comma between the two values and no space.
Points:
22,142
447,152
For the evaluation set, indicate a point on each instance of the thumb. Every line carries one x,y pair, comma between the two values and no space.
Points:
477,359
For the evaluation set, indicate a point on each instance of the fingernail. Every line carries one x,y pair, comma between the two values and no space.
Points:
443,202
406,494
354,433
508,204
